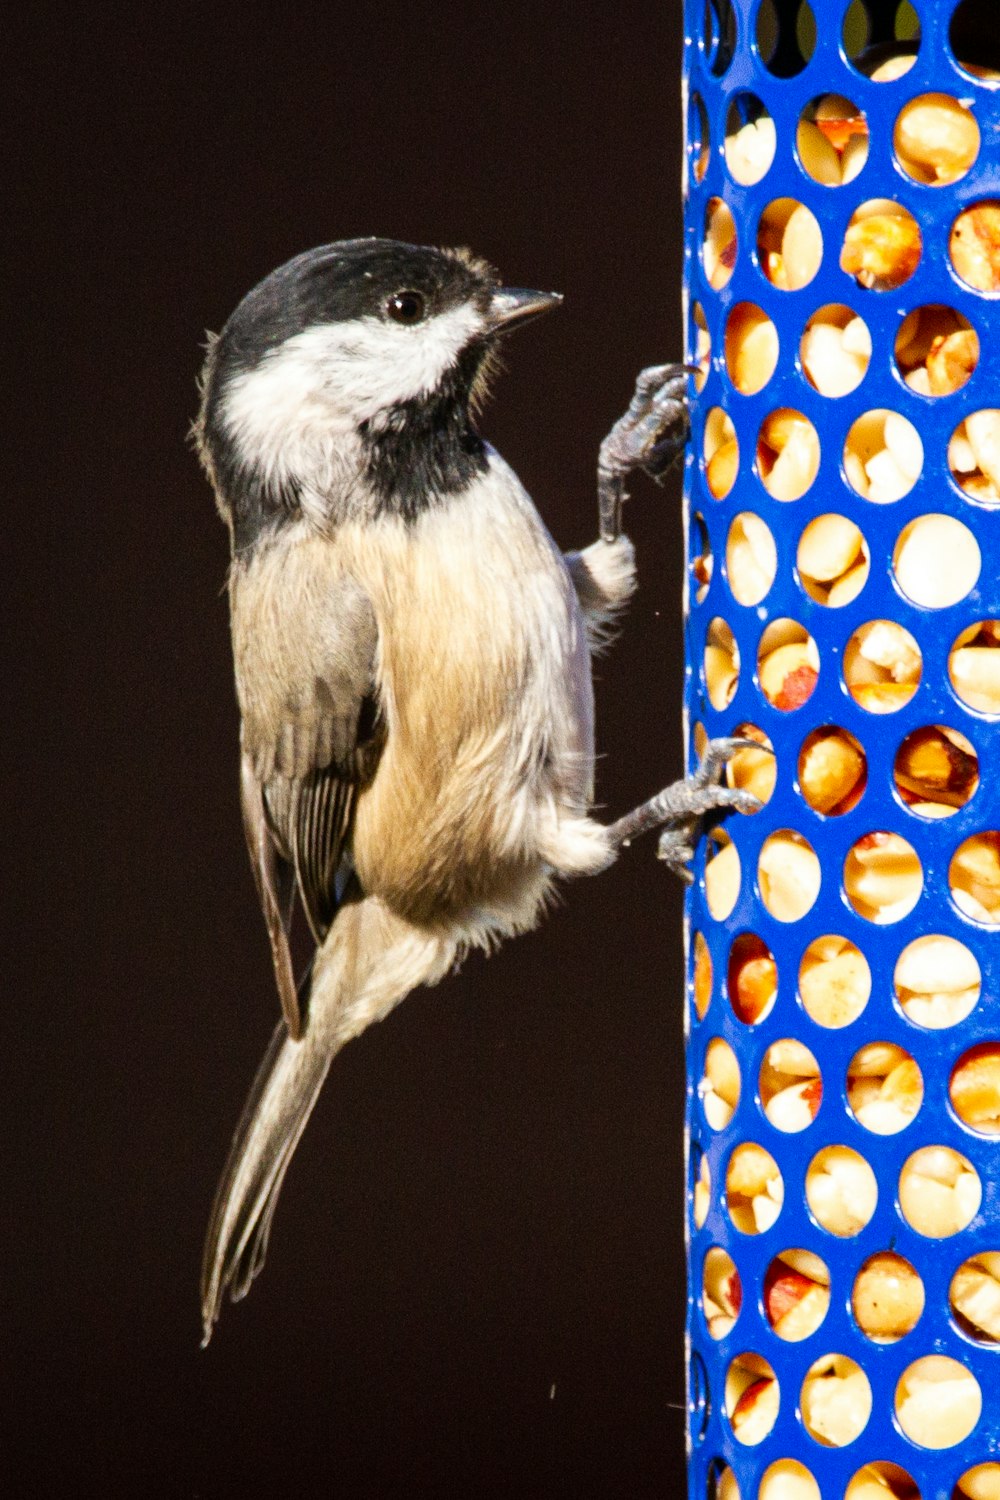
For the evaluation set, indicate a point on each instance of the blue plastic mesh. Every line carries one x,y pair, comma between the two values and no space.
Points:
723,61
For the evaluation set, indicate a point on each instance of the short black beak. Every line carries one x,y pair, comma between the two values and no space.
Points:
512,305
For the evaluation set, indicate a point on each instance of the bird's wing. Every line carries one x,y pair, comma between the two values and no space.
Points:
312,735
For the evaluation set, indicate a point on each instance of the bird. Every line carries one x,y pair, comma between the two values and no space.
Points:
412,660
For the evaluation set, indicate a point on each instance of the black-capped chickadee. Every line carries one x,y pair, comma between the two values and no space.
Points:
412,660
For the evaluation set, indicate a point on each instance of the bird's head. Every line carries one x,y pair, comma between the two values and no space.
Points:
344,350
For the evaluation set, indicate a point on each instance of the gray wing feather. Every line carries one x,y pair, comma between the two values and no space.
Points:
306,750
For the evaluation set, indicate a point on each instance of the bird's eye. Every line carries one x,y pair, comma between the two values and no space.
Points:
406,307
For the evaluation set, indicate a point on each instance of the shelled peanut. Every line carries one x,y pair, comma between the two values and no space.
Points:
887,1298
975,246
832,771
722,1294
882,245
791,1087
937,981
936,350
832,140
834,981
882,666
939,1191
836,350
884,1087
835,1400
974,666
754,1189
974,455
796,1294
883,456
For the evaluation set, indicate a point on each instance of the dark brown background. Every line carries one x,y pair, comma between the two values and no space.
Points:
475,1282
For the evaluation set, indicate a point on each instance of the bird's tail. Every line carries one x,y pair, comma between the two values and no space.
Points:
280,1102
370,960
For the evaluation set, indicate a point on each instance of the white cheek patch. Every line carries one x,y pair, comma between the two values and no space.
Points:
311,394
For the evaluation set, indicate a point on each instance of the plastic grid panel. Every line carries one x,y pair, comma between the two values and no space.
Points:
711,1438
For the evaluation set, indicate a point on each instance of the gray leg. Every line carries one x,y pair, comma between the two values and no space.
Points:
683,805
649,437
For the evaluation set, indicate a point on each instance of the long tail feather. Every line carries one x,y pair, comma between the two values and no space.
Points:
280,1103
370,960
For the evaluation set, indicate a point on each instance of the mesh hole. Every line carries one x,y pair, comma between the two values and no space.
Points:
751,347
722,663
974,245
722,1482
787,1479
974,877
882,666
882,1481
833,560
936,771
973,39
835,1400
720,246
751,558
791,1086
833,771
752,770
701,981
721,1292
939,1192
974,666
881,43
787,454
841,1191
720,35
701,563
796,1294
752,1398
701,1186
938,1402
698,138
936,139
982,1482
788,875
887,1298
883,456
754,1189
937,982
885,1088
974,1088
699,1397
974,1296
787,664
835,350
882,245
720,1084
722,453
936,350
750,140
702,342
835,982
786,37
789,244
722,874
883,877
751,978
974,456
936,561
831,140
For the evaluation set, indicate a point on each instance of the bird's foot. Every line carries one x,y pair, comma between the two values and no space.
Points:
648,437
683,805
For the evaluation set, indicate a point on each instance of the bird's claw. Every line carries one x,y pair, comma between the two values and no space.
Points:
648,437
703,793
